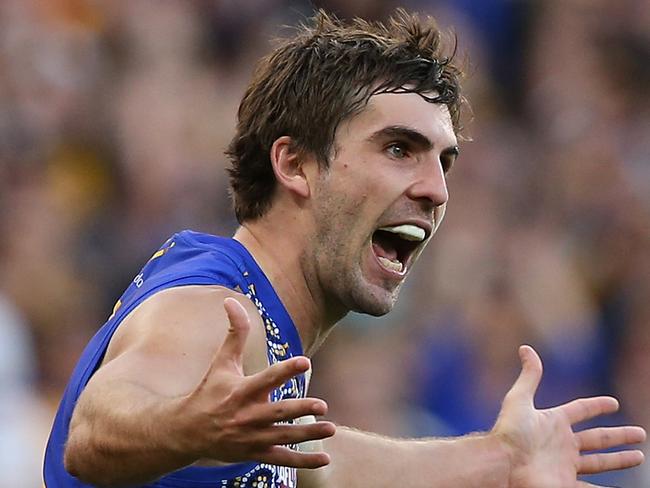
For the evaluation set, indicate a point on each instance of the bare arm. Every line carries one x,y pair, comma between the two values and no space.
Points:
180,385
527,448
360,459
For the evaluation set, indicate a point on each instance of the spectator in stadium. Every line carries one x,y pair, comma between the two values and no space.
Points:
344,138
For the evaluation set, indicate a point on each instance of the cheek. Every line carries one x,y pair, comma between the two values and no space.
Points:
333,219
341,207
347,210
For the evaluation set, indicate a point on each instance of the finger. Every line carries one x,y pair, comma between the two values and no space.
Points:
283,456
285,434
284,410
531,374
277,375
609,461
586,408
606,437
233,345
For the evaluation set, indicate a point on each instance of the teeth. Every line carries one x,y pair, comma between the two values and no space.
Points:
392,265
408,232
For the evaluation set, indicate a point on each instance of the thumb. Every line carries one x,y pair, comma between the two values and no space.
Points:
239,324
531,374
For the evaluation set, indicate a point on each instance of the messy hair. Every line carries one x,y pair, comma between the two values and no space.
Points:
321,76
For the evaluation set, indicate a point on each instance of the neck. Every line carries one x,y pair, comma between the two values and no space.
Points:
278,252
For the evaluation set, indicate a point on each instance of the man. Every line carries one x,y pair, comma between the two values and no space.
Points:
199,377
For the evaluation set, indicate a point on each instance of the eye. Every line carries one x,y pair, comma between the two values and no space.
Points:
397,150
448,158
446,162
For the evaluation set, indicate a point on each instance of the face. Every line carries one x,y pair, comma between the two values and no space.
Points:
381,199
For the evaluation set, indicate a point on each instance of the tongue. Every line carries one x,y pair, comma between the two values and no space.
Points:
383,249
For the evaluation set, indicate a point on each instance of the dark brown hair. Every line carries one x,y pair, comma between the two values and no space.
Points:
324,74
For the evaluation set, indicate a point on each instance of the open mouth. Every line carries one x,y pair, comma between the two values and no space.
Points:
395,245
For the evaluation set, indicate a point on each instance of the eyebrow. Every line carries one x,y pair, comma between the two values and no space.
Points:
399,131
413,136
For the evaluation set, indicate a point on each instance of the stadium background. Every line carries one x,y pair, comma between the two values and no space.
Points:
113,121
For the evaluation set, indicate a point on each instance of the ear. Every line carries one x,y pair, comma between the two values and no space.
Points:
287,161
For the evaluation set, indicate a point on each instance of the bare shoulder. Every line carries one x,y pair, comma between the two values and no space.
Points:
169,340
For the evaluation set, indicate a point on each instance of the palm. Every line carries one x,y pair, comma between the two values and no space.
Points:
544,450
231,417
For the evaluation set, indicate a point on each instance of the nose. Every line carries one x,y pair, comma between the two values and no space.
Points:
430,185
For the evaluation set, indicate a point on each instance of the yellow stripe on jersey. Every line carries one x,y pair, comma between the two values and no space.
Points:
117,306
162,251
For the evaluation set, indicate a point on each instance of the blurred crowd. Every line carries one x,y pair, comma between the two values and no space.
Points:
113,121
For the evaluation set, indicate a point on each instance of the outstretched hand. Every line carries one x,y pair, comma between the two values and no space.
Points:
230,415
544,450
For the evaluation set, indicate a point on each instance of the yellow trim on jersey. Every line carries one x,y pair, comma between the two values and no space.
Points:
117,306
161,252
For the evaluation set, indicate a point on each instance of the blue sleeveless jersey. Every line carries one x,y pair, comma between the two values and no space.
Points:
189,258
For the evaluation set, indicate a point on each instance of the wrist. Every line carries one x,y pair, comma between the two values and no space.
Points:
503,454
479,460
180,432
486,461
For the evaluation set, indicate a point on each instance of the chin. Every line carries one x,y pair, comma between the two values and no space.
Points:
375,311
375,304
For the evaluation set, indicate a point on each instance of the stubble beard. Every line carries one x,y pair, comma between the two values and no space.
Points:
338,263
341,278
